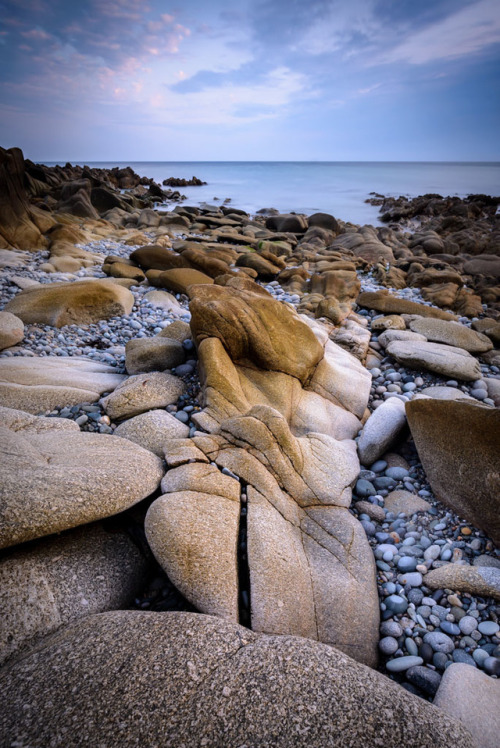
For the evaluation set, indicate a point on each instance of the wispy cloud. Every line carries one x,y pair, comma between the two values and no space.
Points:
466,32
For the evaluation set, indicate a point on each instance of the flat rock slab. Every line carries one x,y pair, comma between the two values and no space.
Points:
452,333
446,360
173,679
53,481
445,393
458,443
55,580
41,384
473,698
476,580
79,303
382,301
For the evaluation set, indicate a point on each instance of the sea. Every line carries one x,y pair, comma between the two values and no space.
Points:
336,187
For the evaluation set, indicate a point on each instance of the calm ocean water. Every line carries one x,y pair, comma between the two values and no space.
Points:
333,187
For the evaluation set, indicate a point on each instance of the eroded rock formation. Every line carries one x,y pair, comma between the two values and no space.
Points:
282,405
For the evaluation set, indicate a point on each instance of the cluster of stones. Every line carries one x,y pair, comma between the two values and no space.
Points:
234,443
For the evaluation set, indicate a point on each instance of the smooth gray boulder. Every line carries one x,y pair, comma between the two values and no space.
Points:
181,679
56,580
446,360
381,430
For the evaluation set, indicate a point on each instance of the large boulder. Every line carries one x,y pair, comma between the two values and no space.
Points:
75,199
474,580
41,384
381,430
56,580
282,405
445,360
287,222
173,679
79,303
255,330
55,480
179,280
458,443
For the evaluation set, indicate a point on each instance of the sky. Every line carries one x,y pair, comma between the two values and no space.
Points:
251,80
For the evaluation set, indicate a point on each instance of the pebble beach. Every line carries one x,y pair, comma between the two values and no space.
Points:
311,409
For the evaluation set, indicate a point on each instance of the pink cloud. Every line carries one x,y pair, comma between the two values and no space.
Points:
36,34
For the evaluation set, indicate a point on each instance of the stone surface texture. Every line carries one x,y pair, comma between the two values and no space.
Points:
470,696
152,430
143,392
40,384
79,303
173,679
55,480
446,360
53,581
282,405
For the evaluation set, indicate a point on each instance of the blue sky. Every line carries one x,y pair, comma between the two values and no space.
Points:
131,80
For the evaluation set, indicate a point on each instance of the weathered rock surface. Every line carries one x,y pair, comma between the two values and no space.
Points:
458,443
470,696
255,330
184,669
18,220
40,384
292,447
193,532
11,330
153,354
152,430
79,303
53,581
405,501
22,422
477,580
55,480
452,333
143,392
445,360
381,430
180,279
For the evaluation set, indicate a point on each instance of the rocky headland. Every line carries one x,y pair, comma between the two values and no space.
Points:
250,469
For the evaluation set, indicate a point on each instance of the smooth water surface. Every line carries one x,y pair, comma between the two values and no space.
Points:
339,188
